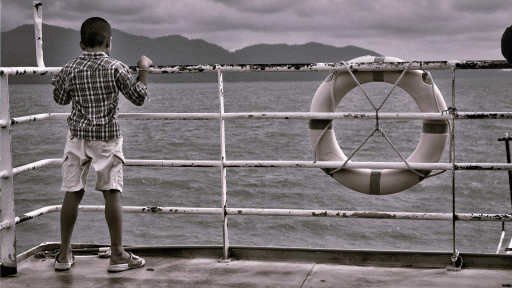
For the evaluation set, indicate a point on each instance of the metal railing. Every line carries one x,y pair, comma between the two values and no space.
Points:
7,172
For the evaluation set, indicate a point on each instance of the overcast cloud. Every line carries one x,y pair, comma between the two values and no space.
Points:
410,29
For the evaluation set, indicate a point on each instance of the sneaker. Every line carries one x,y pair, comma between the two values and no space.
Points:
133,263
63,266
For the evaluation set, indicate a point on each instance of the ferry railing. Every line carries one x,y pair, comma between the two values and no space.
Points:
7,172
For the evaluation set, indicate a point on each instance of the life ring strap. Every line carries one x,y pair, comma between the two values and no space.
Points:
375,182
315,124
430,128
434,128
378,76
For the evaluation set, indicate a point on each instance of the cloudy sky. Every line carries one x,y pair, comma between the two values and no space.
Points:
408,29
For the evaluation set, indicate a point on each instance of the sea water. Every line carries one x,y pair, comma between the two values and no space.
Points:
249,139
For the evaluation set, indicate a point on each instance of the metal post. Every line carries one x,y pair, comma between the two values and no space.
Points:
38,26
8,241
507,149
455,256
225,233
501,238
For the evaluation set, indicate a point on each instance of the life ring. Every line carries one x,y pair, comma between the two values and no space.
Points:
388,181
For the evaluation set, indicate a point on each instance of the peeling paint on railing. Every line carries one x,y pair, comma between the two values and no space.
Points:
39,117
38,26
483,166
169,116
38,212
370,214
173,163
275,115
27,71
177,69
122,116
5,224
35,165
296,67
273,212
482,115
336,115
282,164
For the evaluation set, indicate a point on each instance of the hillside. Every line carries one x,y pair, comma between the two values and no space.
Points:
61,45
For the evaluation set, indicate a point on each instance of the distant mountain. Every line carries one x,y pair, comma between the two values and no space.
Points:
61,45
306,53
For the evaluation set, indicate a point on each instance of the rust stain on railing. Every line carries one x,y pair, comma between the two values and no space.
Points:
291,67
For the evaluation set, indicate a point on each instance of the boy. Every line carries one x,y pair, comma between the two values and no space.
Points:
92,83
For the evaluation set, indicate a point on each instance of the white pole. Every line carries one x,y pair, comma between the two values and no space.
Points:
223,167
8,236
38,26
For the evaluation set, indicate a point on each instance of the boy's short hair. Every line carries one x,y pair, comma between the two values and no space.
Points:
506,44
95,32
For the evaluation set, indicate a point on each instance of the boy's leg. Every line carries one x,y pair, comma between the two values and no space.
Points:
68,215
114,217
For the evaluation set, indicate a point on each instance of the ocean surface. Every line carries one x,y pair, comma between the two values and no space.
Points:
476,191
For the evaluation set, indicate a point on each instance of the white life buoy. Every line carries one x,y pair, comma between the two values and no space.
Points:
388,181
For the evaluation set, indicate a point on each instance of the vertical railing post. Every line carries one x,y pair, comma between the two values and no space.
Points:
507,150
225,234
455,257
8,241
38,27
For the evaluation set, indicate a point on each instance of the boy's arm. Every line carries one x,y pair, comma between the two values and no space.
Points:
61,93
134,91
144,64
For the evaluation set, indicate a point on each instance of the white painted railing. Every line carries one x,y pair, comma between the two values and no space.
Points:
7,172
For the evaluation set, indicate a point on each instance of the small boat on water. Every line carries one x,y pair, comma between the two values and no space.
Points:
262,266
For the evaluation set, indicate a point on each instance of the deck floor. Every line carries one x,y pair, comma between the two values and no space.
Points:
163,271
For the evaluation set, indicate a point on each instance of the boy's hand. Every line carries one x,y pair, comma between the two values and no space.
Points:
144,62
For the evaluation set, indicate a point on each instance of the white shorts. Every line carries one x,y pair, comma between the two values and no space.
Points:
105,156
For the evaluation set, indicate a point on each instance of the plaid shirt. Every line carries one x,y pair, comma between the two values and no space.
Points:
92,83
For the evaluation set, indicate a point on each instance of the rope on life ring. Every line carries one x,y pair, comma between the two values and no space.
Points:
419,85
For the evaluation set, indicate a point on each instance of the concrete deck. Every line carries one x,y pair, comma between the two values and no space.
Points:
163,270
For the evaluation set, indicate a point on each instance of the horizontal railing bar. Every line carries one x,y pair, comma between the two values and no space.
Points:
169,116
277,115
122,116
335,164
370,165
280,164
5,224
369,66
369,214
483,166
155,209
336,115
39,117
298,67
173,163
38,212
35,165
482,115
26,71
126,209
273,212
